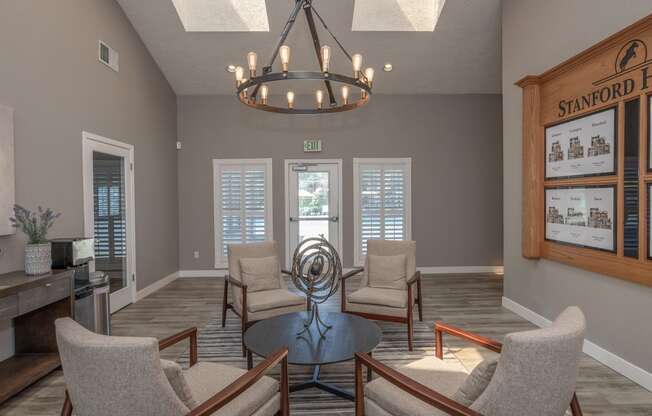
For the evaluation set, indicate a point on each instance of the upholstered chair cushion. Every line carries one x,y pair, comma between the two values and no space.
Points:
250,251
260,273
391,248
380,297
537,370
114,376
387,272
444,376
273,299
205,379
476,382
177,380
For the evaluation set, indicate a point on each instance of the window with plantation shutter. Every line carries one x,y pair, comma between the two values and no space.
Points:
382,201
243,203
110,219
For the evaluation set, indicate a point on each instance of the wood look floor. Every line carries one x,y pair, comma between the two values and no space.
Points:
472,302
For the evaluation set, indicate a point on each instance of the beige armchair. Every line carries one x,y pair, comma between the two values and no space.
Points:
535,374
259,290
124,376
386,291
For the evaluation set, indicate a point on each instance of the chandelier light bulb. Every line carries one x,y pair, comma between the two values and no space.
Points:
320,98
239,75
363,93
252,60
325,57
357,65
369,74
290,96
264,92
284,51
345,94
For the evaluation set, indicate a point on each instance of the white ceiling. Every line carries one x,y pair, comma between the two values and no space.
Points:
461,56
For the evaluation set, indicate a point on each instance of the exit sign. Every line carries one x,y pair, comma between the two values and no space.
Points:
312,145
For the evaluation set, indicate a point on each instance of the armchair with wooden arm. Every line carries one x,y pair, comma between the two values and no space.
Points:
252,306
384,303
239,392
489,402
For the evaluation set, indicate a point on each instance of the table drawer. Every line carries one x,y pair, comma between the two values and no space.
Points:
32,299
58,290
8,307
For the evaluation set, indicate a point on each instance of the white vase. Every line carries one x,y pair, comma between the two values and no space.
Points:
38,258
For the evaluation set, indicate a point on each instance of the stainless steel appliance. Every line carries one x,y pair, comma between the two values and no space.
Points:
92,300
92,303
72,252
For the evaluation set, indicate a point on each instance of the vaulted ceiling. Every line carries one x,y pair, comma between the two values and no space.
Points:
194,40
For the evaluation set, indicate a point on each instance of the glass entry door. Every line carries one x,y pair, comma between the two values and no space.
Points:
107,181
313,196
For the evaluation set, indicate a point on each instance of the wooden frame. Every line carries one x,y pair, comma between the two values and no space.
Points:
607,75
424,393
244,318
233,390
409,319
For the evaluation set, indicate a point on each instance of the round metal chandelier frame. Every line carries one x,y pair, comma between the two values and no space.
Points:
359,81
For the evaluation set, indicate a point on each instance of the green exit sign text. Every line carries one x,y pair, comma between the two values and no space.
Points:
312,145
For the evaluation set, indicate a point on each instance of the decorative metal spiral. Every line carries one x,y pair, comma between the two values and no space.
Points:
316,271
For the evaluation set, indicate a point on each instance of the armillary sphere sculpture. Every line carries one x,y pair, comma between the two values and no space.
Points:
316,271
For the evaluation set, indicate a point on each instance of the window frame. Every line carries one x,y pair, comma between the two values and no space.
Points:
221,260
406,163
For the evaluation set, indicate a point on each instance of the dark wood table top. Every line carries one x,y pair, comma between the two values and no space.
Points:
349,334
14,282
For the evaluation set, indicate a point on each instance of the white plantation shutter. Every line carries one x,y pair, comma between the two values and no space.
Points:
109,205
243,211
382,201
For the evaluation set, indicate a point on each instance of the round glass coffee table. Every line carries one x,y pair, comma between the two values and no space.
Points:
349,334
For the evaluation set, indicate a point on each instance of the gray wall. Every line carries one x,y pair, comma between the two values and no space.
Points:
50,75
538,35
454,142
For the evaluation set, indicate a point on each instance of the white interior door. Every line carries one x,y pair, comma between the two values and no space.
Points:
313,202
109,213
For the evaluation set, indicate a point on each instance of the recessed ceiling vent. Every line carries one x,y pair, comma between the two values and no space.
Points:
108,56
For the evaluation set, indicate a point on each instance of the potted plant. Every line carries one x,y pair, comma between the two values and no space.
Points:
38,251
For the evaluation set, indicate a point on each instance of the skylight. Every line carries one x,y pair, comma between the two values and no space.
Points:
222,15
396,15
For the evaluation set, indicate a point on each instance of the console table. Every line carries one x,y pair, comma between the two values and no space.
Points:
33,302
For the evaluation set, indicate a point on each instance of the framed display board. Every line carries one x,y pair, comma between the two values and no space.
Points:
582,146
582,216
587,158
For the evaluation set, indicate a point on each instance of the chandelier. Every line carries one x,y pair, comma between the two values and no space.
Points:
255,91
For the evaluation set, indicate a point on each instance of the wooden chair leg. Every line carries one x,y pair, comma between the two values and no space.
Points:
419,299
66,410
285,388
410,314
244,349
576,410
409,325
224,301
359,390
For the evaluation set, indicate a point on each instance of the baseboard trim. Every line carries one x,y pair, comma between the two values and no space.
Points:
611,360
159,284
498,270
462,270
202,273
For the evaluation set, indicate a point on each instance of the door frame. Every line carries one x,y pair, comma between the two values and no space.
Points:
287,164
90,143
